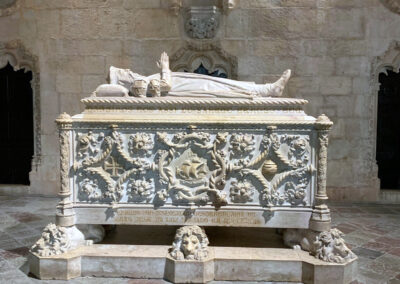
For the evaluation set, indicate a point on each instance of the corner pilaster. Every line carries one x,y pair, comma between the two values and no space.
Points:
65,213
321,217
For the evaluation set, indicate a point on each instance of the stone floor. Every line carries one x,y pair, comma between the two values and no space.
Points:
372,231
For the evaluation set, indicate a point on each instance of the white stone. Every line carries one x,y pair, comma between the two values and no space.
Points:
182,84
224,264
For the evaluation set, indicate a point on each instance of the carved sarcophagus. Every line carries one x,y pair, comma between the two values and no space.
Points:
192,150
182,161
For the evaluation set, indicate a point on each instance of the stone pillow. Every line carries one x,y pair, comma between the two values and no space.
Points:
111,90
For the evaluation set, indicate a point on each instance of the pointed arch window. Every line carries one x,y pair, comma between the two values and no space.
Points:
388,130
16,125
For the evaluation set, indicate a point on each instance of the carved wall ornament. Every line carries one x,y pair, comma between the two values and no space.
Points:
241,144
193,167
140,143
241,192
141,189
294,176
392,5
54,240
202,22
190,243
108,163
15,53
186,174
269,168
295,193
89,190
210,55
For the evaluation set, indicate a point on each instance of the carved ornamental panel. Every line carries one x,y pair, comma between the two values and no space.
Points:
205,167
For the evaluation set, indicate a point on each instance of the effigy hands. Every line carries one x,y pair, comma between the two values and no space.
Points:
163,64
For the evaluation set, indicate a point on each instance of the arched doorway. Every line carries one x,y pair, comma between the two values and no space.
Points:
388,130
16,125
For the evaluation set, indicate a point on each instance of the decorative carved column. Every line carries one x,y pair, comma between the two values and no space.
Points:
321,218
65,213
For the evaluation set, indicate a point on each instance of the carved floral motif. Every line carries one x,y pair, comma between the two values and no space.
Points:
140,143
142,189
298,154
295,193
241,192
54,240
190,243
241,144
89,190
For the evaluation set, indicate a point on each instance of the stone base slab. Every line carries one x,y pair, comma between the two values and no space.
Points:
223,263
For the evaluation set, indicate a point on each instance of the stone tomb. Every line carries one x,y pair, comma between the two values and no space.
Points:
232,158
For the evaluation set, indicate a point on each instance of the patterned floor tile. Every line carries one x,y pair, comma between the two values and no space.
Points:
367,253
373,232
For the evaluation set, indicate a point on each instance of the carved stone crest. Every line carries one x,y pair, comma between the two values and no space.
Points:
202,22
186,173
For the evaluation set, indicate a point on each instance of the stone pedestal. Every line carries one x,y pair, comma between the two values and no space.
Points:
182,271
223,264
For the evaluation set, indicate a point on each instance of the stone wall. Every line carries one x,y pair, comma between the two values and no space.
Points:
329,44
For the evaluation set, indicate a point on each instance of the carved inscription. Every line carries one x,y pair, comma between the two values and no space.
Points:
132,216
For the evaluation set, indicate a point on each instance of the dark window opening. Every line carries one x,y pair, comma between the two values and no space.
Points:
16,125
388,131
203,70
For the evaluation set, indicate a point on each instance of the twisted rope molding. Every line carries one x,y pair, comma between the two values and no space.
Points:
134,102
103,123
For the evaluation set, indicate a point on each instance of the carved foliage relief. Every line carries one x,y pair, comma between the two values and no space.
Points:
193,167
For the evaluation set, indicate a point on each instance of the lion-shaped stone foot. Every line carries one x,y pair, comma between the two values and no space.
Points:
57,240
190,243
92,232
328,246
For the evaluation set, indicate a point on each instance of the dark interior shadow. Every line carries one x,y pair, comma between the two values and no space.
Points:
218,236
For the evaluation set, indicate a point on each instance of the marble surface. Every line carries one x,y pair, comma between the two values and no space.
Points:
372,231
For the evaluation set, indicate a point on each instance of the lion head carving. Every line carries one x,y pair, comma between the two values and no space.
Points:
190,243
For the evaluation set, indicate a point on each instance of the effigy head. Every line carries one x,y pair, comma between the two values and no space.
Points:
190,243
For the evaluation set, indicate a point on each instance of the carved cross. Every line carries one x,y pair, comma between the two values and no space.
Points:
111,166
